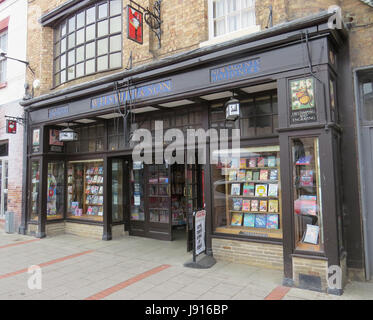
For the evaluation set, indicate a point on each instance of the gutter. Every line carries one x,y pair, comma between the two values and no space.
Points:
224,49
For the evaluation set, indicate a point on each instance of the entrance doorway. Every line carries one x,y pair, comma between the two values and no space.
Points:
156,201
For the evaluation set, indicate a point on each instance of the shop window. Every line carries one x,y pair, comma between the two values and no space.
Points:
368,100
4,48
137,192
307,194
91,139
90,41
55,190
85,190
246,190
228,16
117,190
259,116
35,190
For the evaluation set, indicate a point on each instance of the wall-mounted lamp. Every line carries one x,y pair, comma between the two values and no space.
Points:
36,82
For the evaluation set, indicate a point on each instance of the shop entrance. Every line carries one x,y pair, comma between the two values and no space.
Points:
156,201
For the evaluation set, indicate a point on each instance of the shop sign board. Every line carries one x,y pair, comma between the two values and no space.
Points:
200,231
302,99
234,71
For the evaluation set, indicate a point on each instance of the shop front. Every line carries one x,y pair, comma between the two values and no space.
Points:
274,201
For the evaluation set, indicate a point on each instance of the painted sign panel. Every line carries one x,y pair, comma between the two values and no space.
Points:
135,25
142,92
234,71
302,99
11,126
58,112
200,230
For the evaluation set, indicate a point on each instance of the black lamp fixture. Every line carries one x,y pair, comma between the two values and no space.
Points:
232,109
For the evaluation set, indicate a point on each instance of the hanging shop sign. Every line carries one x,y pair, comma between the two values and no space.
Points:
142,92
11,126
302,97
135,25
234,71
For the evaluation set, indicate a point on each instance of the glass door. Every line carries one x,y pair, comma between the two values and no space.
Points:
117,190
137,199
159,220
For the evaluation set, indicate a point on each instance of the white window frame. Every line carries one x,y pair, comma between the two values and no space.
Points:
4,48
211,19
3,191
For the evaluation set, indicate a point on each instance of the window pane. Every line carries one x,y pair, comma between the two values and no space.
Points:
71,40
368,101
102,11
63,61
117,190
80,18
115,43
71,57
35,188
307,194
63,76
232,5
102,46
102,28
248,18
85,190
72,24
57,80
80,70
246,190
63,45
90,50
57,65
218,8
90,66
63,29
55,191
90,32
102,63
247,4
115,60
115,7
80,54
233,22
219,27
57,33
71,73
57,49
91,15
115,24
263,105
80,36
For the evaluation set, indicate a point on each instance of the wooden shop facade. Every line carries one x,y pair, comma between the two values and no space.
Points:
276,203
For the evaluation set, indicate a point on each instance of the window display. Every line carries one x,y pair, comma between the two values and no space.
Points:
247,192
85,190
307,194
117,190
137,192
159,194
55,190
35,190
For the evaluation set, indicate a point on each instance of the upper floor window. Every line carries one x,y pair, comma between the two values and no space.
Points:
89,42
4,48
227,16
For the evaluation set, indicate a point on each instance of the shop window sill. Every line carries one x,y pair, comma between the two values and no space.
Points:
230,36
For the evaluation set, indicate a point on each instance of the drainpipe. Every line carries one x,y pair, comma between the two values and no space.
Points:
23,227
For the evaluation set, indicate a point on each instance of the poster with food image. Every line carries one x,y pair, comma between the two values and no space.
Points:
302,94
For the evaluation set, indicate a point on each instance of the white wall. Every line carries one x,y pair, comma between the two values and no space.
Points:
17,33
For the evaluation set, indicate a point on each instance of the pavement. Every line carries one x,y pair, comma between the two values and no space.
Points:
76,268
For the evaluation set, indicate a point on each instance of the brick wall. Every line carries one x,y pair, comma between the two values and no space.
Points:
118,231
84,230
310,267
252,253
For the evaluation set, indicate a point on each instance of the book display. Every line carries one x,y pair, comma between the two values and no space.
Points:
159,194
307,192
55,189
252,193
85,190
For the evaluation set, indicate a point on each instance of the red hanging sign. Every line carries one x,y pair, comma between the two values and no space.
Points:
135,25
11,126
